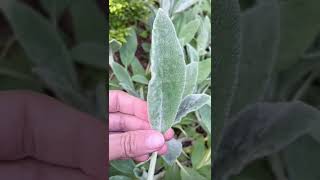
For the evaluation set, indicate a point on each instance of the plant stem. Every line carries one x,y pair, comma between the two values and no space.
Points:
152,166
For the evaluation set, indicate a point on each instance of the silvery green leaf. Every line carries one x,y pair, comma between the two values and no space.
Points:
92,54
205,117
140,79
124,166
119,178
260,130
174,151
128,50
111,60
204,70
136,67
122,75
189,30
183,5
191,78
191,174
203,38
191,103
166,5
192,54
129,89
168,73
114,45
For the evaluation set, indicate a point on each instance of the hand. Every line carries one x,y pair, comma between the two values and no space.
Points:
131,135
41,138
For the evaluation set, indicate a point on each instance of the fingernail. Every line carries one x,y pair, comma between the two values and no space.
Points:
155,141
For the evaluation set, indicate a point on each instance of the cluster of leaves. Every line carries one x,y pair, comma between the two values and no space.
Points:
123,14
266,89
39,56
180,57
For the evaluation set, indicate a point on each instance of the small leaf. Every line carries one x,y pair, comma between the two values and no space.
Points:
182,5
114,45
174,151
172,172
168,73
191,103
122,74
140,79
124,166
192,54
188,31
198,153
91,54
136,66
191,78
128,50
203,38
204,70
258,130
205,117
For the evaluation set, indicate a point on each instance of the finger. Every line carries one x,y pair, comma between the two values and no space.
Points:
47,130
125,122
141,158
169,134
120,101
134,143
163,150
30,169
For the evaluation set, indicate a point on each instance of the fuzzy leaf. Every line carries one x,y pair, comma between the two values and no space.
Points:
205,117
188,31
137,68
203,38
192,53
174,151
191,103
204,70
122,75
183,5
124,166
128,50
114,45
168,73
119,178
140,79
258,131
191,78
190,174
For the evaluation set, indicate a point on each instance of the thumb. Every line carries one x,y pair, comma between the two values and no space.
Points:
134,143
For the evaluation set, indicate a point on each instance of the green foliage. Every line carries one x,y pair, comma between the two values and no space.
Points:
123,14
173,51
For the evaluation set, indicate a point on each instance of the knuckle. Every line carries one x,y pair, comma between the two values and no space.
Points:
129,145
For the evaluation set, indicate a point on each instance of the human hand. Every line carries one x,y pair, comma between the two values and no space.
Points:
131,135
41,138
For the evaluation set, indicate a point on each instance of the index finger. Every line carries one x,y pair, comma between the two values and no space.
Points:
120,101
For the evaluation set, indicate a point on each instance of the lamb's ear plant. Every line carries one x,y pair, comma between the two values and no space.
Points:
169,91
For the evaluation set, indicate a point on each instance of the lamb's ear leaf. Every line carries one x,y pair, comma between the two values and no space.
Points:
122,75
192,53
205,117
188,31
204,33
183,5
191,78
119,178
137,67
174,151
128,50
258,131
191,103
204,70
168,73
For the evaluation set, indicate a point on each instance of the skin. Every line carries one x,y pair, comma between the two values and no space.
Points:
131,135
41,138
